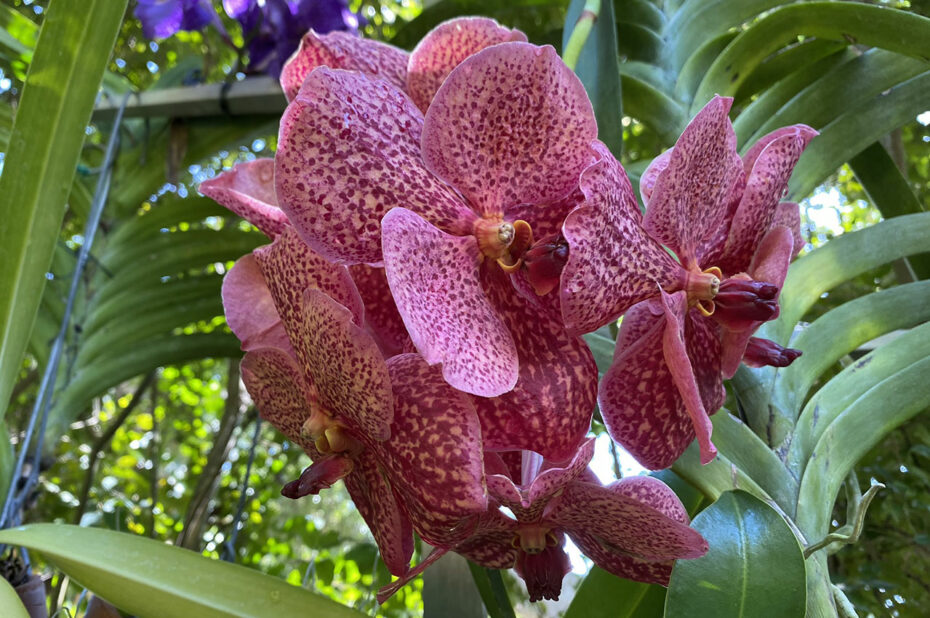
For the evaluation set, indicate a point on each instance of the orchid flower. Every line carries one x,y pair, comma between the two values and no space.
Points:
162,18
634,528
692,314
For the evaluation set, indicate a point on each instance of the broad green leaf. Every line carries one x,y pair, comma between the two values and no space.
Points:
689,78
448,590
785,63
603,595
653,108
17,33
754,567
148,578
898,31
715,478
490,586
10,604
598,69
55,106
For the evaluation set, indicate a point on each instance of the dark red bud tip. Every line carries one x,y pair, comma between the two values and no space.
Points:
743,301
543,572
320,475
763,352
544,262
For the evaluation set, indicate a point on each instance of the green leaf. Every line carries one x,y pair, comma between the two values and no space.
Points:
754,566
785,63
598,69
603,595
55,106
602,347
17,33
653,108
490,586
448,590
149,578
898,31
10,604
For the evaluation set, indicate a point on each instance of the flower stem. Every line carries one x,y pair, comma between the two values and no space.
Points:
580,33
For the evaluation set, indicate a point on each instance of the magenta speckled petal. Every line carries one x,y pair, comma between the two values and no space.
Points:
549,410
388,591
380,509
638,398
803,131
702,342
248,190
690,197
348,152
620,564
788,214
510,125
345,365
381,316
491,545
647,182
341,50
650,490
435,282
612,263
447,45
279,390
290,267
624,523
434,455
551,480
765,186
249,308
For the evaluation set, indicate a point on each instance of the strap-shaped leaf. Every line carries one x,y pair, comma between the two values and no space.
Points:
653,108
73,48
899,31
603,595
690,76
10,604
785,63
148,578
754,567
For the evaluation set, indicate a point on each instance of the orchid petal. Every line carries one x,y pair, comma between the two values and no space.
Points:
375,500
248,190
341,50
322,474
650,490
249,308
702,343
647,181
491,544
765,186
689,201
612,263
435,281
346,366
803,131
638,398
290,267
618,563
388,591
280,392
447,45
381,316
551,480
788,214
434,454
624,523
549,410
510,125
349,151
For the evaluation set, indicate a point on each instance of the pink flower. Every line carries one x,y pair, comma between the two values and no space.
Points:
690,316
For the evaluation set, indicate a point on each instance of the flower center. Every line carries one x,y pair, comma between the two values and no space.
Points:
702,288
544,263
534,539
503,241
328,434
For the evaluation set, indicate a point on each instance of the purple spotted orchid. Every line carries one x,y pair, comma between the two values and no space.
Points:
634,528
689,321
448,202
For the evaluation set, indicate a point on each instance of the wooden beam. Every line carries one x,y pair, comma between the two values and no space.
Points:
249,97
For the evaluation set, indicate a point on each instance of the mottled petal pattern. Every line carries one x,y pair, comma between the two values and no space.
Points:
435,281
348,152
346,366
249,308
491,545
788,214
619,563
650,490
510,125
434,454
381,316
279,390
549,410
551,480
248,190
341,50
702,344
447,45
612,263
690,196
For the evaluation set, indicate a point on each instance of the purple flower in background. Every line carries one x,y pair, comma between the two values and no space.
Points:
162,18
273,28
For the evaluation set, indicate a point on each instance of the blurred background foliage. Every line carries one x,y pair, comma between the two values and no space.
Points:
166,455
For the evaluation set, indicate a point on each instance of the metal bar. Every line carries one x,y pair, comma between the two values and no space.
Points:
250,96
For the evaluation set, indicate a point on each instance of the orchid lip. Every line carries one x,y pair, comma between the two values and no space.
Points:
532,539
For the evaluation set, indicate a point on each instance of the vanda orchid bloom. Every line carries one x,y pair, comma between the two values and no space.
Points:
407,445
634,528
721,217
457,197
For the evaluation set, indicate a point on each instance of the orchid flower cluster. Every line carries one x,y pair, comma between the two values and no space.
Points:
445,227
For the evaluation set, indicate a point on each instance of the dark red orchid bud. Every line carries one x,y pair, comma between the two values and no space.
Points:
322,474
544,262
743,301
543,571
763,352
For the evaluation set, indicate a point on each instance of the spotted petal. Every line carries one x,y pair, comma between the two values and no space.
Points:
280,392
549,410
248,190
434,456
510,125
788,214
348,152
689,201
612,263
447,45
341,50
435,282
381,316
491,545
249,308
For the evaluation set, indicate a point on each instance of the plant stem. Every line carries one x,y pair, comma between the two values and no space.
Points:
580,33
